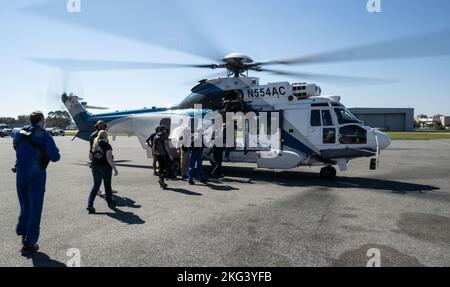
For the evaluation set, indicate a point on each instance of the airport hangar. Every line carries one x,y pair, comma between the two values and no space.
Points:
387,119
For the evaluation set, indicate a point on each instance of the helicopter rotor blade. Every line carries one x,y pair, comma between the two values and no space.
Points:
141,21
95,107
332,79
417,46
98,65
63,82
206,77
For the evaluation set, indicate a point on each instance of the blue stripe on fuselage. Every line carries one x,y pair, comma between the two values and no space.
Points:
297,145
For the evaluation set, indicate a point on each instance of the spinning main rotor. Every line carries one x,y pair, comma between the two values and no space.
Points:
187,37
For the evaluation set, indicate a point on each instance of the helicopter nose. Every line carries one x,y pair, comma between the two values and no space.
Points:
384,140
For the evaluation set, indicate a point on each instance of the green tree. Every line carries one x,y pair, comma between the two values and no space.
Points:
7,120
59,119
23,119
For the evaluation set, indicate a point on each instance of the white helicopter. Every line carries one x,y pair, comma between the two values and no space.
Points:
315,130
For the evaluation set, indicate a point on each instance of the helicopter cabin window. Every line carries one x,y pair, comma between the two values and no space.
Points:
344,116
326,118
315,118
352,135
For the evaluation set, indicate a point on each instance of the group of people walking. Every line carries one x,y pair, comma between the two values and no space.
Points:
35,148
184,158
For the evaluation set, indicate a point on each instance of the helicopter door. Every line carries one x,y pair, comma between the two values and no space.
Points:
322,130
267,137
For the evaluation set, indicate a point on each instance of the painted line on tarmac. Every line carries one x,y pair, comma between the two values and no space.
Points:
439,142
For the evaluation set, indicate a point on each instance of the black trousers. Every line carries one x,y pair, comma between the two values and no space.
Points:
101,173
163,162
218,160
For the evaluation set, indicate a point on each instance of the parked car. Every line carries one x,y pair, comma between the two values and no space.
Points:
56,132
5,131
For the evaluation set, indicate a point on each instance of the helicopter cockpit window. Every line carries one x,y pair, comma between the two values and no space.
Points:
326,118
352,135
315,118
344,116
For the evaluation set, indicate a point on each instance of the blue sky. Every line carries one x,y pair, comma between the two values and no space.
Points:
265,29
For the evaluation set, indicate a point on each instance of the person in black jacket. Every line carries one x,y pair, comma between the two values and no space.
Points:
99,126
150,141
161,147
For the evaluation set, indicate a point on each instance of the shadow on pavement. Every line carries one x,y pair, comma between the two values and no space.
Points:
125,202
183,191
304,179
134,166
220,187
123,216
249,175
43,260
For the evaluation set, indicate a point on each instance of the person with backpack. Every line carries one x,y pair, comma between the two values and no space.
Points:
161,147
102,167
149,141
35,148
99,126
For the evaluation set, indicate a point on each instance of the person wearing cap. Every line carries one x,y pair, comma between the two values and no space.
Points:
102,169
99,126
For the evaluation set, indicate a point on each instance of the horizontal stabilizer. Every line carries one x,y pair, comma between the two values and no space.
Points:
84,135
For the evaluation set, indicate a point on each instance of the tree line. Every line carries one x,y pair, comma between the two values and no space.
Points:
58,119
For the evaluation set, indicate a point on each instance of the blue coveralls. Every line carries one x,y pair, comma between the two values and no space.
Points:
31,179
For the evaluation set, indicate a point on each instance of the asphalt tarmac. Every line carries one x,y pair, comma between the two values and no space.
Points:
250,218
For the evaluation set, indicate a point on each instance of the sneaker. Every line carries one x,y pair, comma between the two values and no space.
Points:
162,184
22,239
91,209
112,204
27,251
185,177
191,182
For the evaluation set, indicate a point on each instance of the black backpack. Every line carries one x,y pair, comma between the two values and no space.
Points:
160,144
98,156
43,157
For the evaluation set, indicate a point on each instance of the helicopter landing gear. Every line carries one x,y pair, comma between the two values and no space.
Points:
328,172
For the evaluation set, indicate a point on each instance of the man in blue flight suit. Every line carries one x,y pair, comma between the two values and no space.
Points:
34,149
